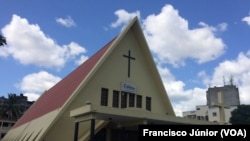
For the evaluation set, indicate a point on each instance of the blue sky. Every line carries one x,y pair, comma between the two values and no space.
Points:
194,43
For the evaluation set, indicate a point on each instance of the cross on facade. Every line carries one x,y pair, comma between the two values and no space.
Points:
221,106
129,58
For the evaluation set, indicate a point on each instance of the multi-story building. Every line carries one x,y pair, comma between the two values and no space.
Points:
212,114
6,120
230,95
221,101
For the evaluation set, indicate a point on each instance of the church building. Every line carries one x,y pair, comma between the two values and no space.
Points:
104,99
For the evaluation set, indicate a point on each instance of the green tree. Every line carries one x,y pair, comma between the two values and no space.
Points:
2,40
11,108
241,115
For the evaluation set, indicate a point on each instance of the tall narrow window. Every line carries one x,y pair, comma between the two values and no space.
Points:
138,101
104,97
124,100
148,103
115,98
131,100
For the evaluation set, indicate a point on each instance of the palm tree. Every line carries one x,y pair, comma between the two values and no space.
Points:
11,108
2,40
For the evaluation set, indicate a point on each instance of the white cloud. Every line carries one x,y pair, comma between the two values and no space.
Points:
246,19
68,21
38,82
29,45
204,77
196,96
124,17
173,87
32,96
81,60
33,85
73,49
222,26
172,41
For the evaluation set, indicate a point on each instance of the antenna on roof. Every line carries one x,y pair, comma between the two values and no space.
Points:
231,80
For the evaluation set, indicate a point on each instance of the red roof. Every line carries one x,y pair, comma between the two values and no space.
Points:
56,96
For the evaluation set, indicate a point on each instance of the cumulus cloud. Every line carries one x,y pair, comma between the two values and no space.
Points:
36,83
73,49
173,41
196,96
32,96
246,19
81,60
124,17
29,45
67,22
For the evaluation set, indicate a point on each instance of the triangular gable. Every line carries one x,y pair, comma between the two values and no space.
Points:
134,26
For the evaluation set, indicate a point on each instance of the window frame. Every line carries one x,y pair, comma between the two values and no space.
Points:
124,100
148,103
131,102
104,96
116,98
139,101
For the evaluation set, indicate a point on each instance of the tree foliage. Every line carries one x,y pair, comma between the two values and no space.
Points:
241,115
11,108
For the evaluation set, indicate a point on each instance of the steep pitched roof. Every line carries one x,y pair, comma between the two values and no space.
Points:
64,92
61,92
43,114
56,96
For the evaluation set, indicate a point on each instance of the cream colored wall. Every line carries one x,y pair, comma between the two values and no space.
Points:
214,118
62,130
114,71
110,75
203,110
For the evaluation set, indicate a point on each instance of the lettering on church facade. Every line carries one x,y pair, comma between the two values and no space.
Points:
128,87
